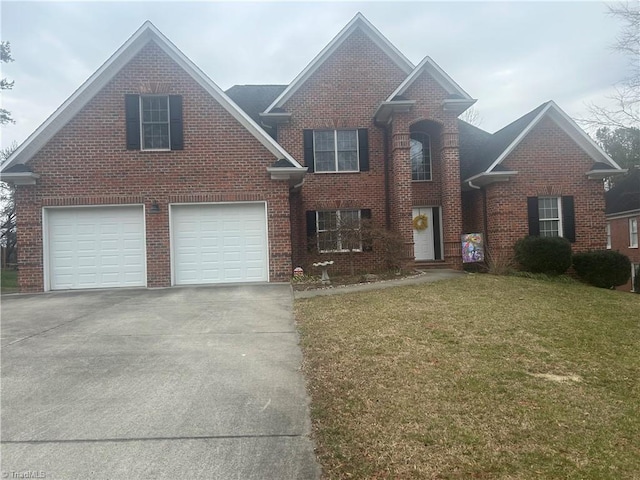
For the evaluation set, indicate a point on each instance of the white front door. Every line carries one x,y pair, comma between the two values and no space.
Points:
423,248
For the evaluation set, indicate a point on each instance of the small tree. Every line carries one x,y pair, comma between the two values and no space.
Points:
8,237
5,57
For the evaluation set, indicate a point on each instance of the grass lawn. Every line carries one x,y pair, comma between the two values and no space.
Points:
8,281
479,377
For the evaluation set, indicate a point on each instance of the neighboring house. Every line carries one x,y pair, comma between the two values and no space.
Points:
150,175
623,218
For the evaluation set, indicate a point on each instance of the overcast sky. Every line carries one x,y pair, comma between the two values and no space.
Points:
510,56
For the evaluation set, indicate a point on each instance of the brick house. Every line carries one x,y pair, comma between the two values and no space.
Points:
150,175
623,218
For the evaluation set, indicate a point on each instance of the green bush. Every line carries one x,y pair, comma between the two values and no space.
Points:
550,255
602,268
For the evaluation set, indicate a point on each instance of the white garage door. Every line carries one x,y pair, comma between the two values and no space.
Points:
221,243
96,247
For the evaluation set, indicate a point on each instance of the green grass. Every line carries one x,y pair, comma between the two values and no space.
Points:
8,281
481,377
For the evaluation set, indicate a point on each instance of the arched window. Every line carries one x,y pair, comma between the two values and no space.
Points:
420,157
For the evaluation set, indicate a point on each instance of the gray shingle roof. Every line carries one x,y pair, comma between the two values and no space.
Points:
625,195
479,150
254,99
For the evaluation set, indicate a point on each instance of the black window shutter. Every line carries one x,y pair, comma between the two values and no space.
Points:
367,244
175,122
307,136
363,147
132,114
437,247
311,229
568,219
534,219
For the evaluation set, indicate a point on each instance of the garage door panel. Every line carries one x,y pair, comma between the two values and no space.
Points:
221,243
96,247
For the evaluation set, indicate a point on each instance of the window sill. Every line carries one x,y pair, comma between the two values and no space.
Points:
633,246
341,171
422,181
155,150
339,251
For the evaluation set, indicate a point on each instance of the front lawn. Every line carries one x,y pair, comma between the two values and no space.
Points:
480,377
8,281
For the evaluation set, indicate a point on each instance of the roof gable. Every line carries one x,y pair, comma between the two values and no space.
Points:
358,22
496,149
145,34
440,76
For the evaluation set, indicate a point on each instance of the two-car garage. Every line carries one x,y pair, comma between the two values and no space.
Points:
105,246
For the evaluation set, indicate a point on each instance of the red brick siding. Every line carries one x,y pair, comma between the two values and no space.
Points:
548,163
472,212
343,93
429,96
620,242
87,163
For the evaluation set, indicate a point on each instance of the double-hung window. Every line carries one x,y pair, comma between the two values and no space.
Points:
338,231
550,216
420,157
335,150
155,122
633,233
608,236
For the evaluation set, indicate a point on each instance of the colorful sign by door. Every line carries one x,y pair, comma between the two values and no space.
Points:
472,248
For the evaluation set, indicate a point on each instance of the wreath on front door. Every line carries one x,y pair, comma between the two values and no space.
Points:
420,222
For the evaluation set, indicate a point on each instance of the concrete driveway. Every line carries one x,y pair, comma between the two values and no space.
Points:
147,384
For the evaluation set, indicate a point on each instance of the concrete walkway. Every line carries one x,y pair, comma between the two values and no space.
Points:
428,276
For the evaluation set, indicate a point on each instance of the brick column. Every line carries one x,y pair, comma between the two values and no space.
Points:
29,242
451,199
400,186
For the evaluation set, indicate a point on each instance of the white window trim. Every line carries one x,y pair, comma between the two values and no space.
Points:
430,159
335,150
559,219
142,125
608,236
633,235
339,240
